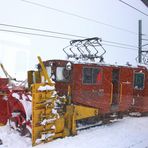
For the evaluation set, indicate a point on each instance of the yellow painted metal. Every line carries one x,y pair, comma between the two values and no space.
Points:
69,90
69,95
37,76
82,112
47,123
70,122
121,87
111,94
65,124
30,78
43,118
59,123
45,72
33,77
74,113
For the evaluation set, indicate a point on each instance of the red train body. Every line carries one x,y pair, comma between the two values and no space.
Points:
106,87
3,102
93,92
13,103
140,92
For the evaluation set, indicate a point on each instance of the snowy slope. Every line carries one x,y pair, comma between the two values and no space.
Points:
127,133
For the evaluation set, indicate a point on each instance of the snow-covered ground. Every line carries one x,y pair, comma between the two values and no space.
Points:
129,132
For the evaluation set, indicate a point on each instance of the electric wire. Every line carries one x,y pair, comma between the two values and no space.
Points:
119,43
58,37
35,34
79,16
119,46
41,30
145,39
44,35
133,7
61,33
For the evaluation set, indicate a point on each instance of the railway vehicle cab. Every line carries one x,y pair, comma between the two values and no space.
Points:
108,88
93,91
105,87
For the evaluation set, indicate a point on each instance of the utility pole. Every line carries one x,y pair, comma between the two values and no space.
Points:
142,54
140,41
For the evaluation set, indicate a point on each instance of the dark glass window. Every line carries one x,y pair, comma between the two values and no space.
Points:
139,81
91,75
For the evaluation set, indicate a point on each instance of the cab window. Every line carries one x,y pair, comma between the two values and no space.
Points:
62,74
139,80
48,68
91,75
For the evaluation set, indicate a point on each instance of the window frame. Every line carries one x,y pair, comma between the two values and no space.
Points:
64,80
143,81
97,83
47,69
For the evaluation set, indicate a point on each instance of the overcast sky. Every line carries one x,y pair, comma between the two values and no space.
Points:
19,52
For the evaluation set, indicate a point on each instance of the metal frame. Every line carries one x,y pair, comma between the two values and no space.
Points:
101,70
85,54
143,80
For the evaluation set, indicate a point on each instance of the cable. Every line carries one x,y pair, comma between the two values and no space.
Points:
119,46
78,16
133,7
145,39
119,43
44,35
60,33
35,34
41,30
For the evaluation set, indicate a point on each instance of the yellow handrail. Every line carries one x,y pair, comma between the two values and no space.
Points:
45,72
111,95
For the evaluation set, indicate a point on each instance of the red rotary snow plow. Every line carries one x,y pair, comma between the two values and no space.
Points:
15,104
3,102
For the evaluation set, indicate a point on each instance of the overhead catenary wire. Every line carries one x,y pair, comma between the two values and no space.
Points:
58,37
133,7
124,44
35,34
40,30
61,33
145,39
79,16
119,46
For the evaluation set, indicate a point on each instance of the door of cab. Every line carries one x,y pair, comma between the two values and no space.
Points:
126,88
115,89
122,81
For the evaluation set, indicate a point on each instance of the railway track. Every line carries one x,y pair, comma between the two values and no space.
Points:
84,127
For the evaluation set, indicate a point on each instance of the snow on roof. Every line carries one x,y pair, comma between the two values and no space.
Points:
89,62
